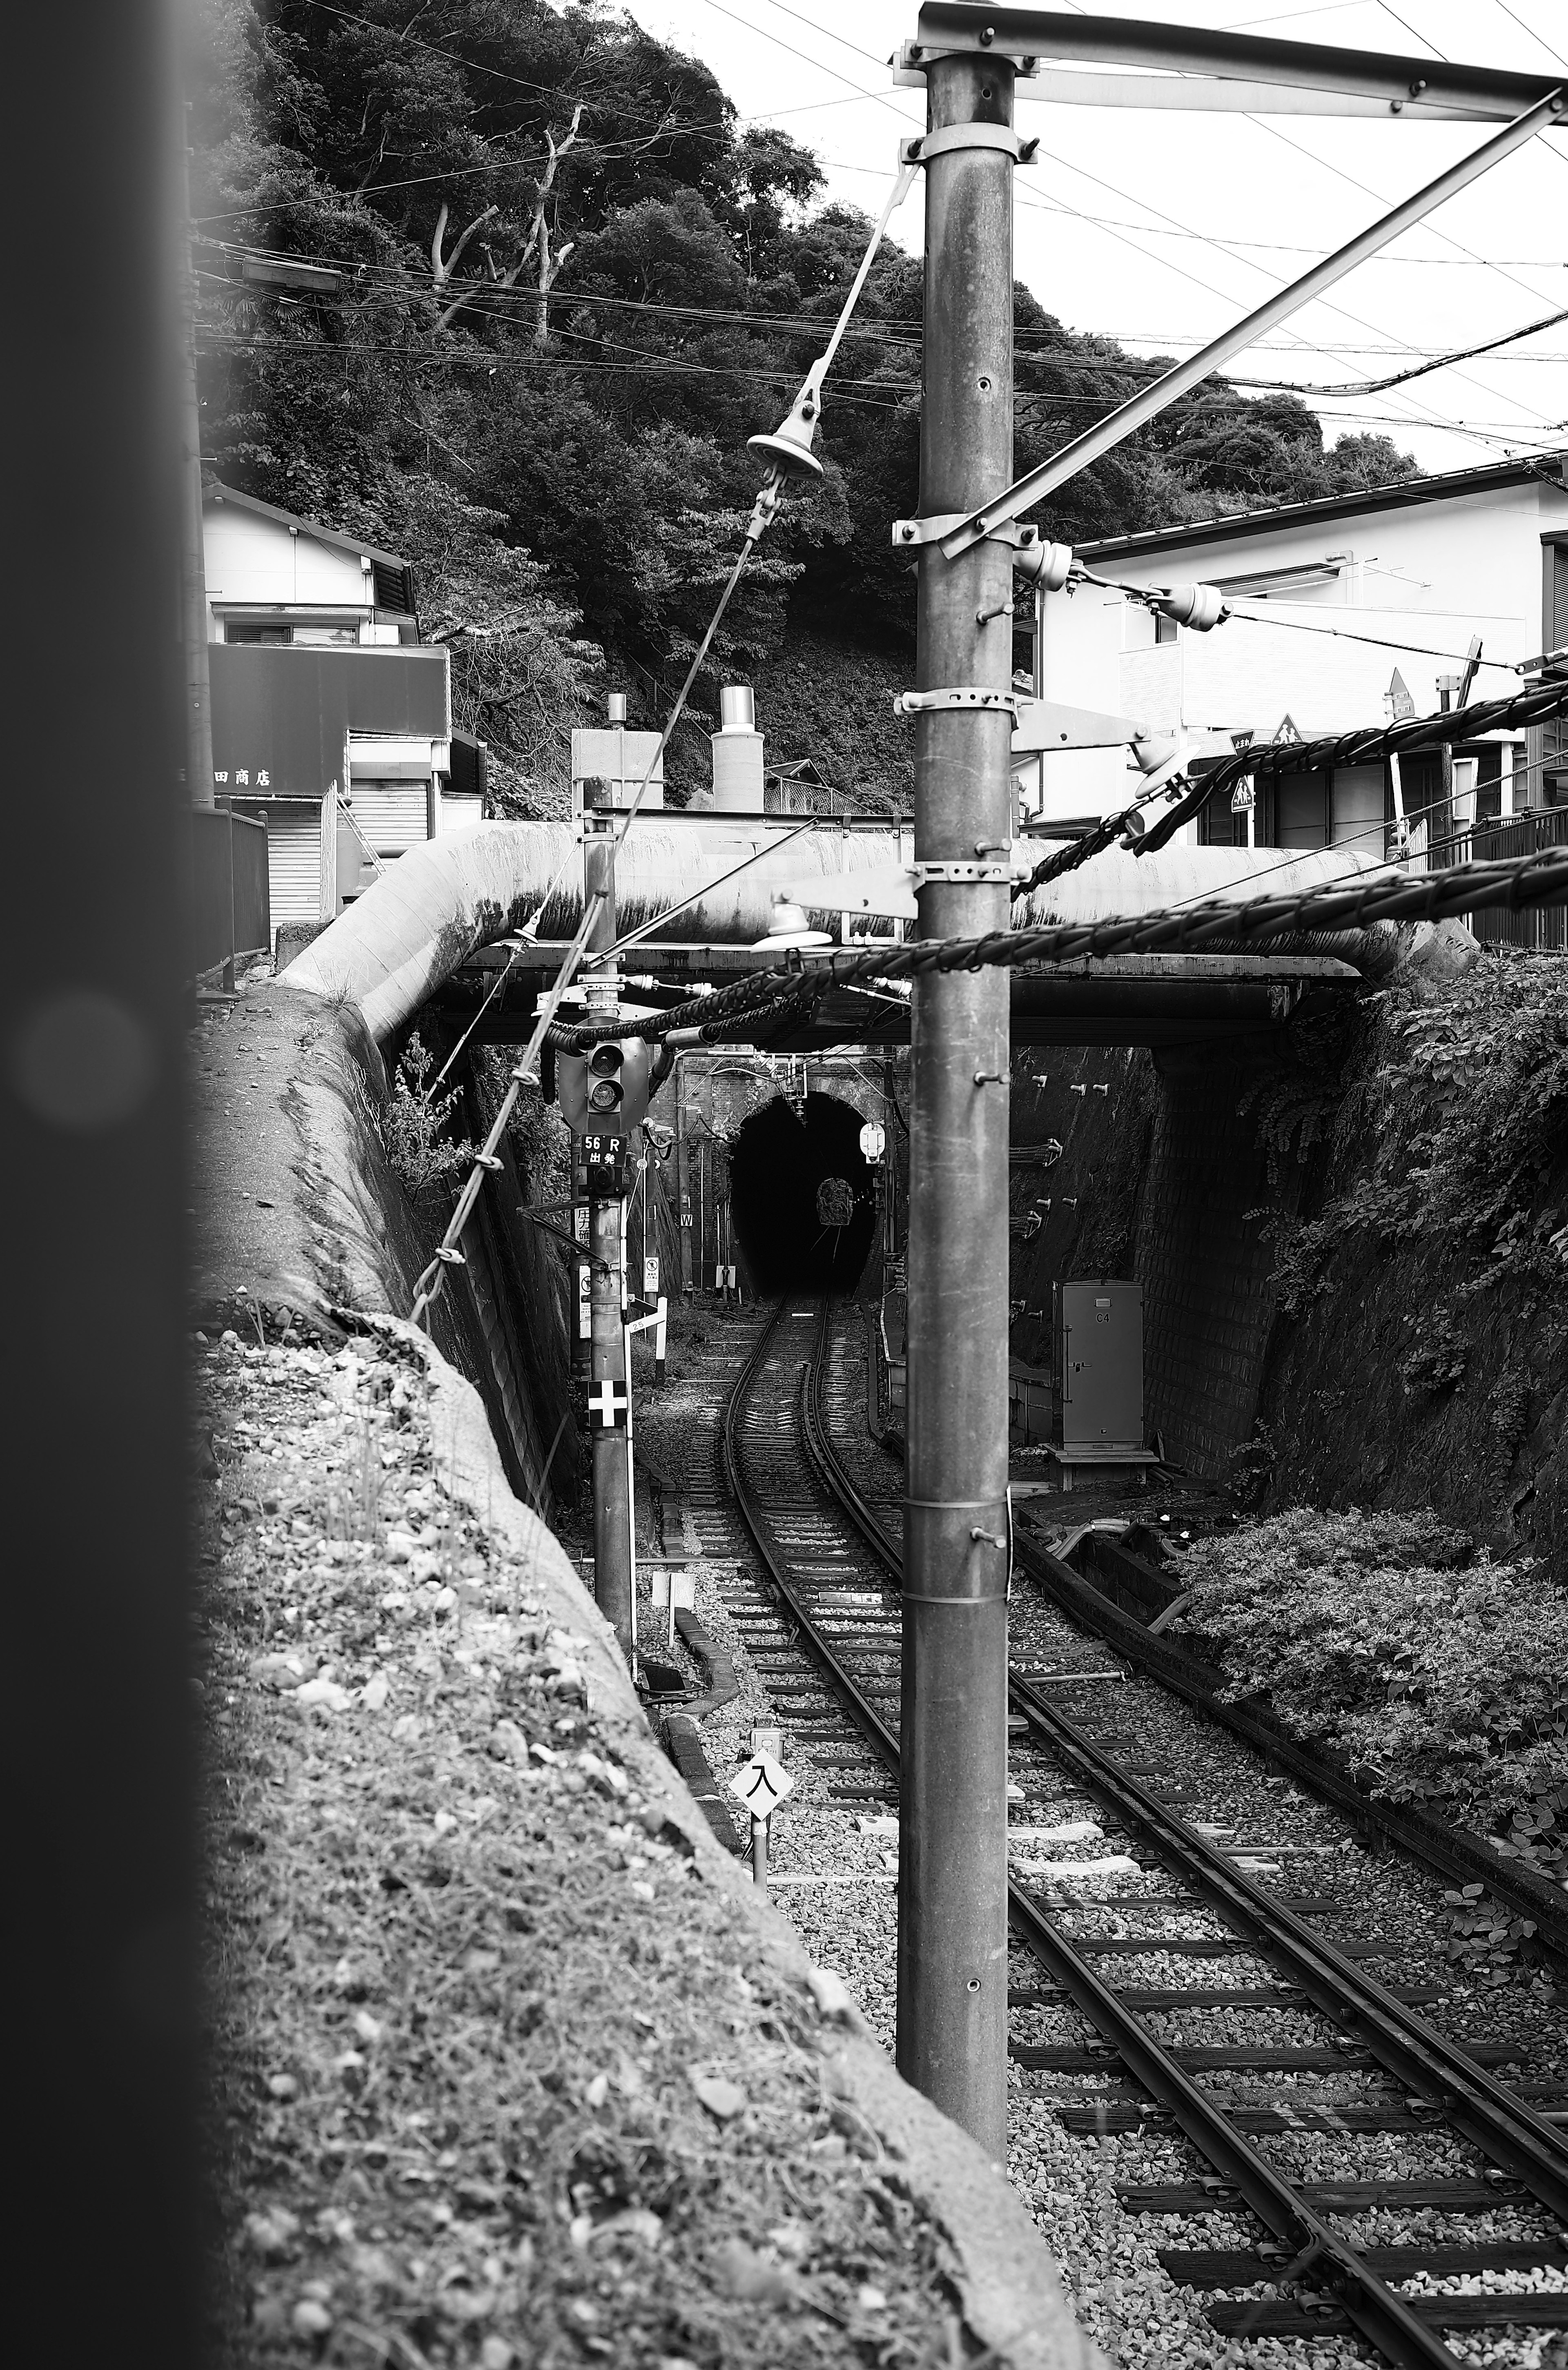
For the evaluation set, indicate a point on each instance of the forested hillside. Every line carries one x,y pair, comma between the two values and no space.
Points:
573,283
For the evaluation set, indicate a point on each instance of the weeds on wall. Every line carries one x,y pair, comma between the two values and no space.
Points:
415,1127
1440,1676
1456,1108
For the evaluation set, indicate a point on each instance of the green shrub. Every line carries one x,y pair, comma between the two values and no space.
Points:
413,1124
1442,1678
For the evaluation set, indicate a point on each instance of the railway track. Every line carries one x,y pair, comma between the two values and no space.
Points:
823,1630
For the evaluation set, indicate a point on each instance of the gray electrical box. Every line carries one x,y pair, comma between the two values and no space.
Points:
1098,1343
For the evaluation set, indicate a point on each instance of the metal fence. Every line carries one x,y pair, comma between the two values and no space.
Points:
230,912
1543,930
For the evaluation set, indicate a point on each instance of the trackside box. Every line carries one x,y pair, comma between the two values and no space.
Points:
1100,1378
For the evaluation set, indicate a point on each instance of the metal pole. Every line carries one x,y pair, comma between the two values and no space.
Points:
612,1496
953,1935
682,1198
192,571
759,1854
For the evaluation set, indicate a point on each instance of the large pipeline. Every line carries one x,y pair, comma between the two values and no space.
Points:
437,906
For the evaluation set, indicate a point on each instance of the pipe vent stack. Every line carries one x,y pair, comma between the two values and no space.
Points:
737,753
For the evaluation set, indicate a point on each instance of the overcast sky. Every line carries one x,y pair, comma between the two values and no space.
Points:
1159,228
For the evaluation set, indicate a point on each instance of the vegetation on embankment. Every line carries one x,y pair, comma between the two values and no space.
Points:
1420,1359
1440,1676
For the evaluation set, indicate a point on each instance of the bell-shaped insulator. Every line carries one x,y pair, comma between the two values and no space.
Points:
789,925
1048,565
1153,749
789,447
1199,607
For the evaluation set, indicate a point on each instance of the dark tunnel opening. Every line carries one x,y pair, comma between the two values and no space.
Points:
798,1233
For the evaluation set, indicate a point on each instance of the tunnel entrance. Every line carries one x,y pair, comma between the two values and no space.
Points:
802,1196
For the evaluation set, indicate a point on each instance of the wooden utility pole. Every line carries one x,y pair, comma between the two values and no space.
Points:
953,1929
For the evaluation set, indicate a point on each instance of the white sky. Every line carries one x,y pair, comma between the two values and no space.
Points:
1212,211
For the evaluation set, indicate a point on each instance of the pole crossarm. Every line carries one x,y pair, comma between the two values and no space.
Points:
1151,400
1398,85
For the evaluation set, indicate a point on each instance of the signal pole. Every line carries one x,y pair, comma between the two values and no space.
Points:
607,1364
953,1927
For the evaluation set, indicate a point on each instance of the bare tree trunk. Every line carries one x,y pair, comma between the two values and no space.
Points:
443,266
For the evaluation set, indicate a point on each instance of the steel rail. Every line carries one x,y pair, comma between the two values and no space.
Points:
1402,2044
867,1719
824,1460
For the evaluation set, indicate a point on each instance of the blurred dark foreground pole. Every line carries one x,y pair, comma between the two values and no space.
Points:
97,1734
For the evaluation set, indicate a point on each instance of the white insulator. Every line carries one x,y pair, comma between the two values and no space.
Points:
1199,607
1153,749
1048,565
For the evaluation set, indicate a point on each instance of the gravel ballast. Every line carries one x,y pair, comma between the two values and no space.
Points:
1109,2254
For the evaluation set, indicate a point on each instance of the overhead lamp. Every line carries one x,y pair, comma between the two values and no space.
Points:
788,926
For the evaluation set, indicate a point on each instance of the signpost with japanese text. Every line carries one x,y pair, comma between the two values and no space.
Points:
762,1784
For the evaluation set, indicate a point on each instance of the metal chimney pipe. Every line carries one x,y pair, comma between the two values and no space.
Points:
737,753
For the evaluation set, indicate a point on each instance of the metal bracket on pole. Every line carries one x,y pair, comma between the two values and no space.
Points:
1000,136
962,875
912,60
910,533
967,695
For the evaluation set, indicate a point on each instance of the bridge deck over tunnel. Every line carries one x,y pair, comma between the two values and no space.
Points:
1114,1000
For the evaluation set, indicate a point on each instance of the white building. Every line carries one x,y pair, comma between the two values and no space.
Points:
1329,600
332,720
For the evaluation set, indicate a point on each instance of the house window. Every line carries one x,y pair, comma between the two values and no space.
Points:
1301,811
1357,801
1164,629
252,629
328,636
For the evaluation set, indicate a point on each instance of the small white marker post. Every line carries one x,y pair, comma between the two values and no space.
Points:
678,1591
762,1783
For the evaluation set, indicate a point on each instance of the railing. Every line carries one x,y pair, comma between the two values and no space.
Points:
230,913
1542,928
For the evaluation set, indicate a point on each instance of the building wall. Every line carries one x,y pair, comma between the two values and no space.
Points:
253,558
1430,574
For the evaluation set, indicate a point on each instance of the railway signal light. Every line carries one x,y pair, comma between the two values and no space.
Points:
606,1091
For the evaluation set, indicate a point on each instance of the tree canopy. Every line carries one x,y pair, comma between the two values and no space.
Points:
572,283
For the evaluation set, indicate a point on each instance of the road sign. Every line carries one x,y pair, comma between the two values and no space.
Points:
762,1783
650,1279
873,1139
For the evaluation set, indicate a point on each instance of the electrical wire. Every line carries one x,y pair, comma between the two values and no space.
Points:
1373,641
1439,361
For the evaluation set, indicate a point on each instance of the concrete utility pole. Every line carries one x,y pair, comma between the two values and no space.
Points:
192,571
612,1494
953,1927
